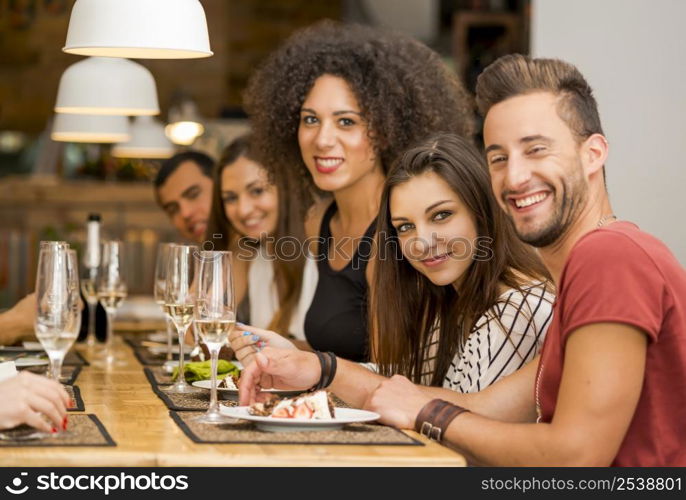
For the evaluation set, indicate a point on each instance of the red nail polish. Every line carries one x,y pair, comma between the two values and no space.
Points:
54,430
64,423
72,403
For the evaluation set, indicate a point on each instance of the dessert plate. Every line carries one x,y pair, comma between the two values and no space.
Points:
343,416
232,394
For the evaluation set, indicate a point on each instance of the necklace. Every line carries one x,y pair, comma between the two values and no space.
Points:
606,218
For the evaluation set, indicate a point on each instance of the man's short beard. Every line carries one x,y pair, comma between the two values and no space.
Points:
573,197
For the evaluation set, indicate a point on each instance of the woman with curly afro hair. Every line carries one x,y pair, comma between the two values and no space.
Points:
333,107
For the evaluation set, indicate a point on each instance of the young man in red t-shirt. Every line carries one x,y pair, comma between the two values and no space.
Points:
610,385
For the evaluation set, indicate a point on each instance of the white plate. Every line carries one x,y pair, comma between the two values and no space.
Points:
32,346
162,338
232,394
343,416
24,362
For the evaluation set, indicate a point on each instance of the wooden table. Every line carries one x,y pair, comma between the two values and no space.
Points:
145,434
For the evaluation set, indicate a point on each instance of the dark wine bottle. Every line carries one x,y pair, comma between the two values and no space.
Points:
91,261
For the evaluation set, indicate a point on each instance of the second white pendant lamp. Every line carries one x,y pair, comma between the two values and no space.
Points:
107,86
147,141
141,29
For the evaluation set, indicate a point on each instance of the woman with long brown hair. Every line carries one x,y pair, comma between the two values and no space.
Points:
249,215
459,301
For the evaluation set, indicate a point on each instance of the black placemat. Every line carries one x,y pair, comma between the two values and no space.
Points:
68,375
75,393
82,430
246,432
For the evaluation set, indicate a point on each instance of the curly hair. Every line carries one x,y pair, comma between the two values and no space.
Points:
404,91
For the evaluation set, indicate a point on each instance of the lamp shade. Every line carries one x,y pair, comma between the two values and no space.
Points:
141,29
147,141
90,128
107,86
185,124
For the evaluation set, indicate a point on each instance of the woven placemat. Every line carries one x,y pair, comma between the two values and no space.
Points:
82,430
246,432
67,377
181,402
75,394
75,358
157,376
147,358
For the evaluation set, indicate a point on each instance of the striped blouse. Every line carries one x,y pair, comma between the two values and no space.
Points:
495,348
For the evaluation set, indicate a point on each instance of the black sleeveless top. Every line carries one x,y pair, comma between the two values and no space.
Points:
337,318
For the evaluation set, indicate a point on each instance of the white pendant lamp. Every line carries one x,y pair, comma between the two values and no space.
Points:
185,124
147,141
140,29
107,86
90,128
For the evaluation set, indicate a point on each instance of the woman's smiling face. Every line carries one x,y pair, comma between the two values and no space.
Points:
333,135
436,231
251,203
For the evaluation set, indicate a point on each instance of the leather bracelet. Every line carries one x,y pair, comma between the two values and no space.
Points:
332,369
328,363
433,419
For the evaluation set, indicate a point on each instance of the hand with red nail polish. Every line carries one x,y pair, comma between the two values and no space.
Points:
34,400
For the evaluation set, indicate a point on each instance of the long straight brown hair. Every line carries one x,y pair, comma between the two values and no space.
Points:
288,269
407,307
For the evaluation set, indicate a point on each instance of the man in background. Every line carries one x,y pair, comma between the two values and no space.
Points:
183,189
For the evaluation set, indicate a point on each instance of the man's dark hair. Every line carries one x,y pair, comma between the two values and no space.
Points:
203,161
513,75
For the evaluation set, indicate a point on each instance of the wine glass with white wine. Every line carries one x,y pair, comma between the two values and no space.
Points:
161,266
215,317
179,296
111,288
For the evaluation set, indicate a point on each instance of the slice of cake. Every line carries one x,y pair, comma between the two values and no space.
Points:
228,382
312,405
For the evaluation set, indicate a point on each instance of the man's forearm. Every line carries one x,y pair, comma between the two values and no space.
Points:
354,383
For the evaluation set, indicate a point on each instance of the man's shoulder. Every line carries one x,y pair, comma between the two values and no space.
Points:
620,240
620,247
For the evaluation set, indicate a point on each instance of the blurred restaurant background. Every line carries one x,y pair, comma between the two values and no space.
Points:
631,51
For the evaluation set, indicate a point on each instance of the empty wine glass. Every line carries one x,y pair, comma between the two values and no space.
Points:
111,288
215,317
58,315
179,296
161,266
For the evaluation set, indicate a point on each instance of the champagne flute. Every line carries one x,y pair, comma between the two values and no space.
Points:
161,266
58,317
215,317
179,296
111,288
